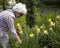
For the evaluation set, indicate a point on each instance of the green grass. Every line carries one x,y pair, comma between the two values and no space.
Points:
21,20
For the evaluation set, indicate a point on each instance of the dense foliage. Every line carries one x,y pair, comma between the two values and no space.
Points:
44,34
50,2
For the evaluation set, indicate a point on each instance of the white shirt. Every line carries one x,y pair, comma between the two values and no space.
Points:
7,22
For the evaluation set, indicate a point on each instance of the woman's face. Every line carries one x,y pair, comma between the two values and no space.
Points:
17,15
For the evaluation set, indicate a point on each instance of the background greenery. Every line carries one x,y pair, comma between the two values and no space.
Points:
44,34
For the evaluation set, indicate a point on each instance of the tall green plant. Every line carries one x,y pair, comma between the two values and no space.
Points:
30,19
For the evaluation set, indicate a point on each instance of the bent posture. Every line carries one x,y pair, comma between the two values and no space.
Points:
7,23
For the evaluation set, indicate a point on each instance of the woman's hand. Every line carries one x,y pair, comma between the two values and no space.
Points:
18,39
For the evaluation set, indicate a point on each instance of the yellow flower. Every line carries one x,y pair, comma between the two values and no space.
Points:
45,32
50,28
41,27
31,35
58,17
19,28
18,25
38,30
52,24
49,20
21,32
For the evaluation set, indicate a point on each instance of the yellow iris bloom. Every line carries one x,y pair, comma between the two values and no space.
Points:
45,32
31,35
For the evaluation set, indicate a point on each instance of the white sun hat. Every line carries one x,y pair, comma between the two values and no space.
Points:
21,8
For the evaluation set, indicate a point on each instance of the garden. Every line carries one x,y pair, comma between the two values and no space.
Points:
42,32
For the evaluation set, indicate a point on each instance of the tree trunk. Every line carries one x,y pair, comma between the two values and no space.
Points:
4,4
30,19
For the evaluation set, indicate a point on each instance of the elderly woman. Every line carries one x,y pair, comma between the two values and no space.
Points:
7,23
